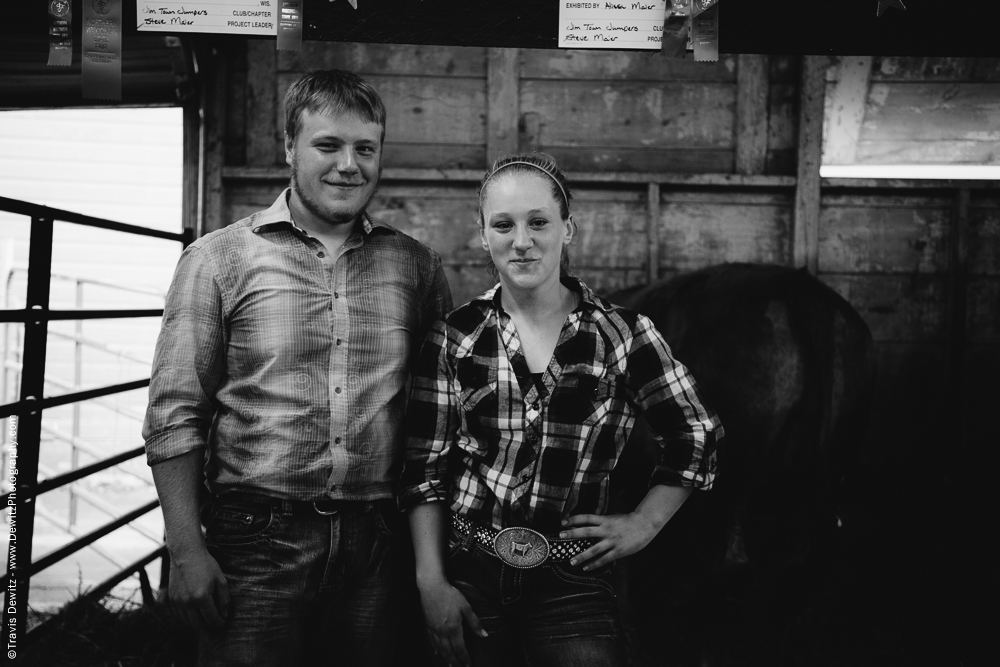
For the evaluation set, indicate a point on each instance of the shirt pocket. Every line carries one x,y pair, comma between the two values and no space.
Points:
480,408
584,399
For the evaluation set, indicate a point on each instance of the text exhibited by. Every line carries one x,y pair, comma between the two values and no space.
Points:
11,608
234,17
611,25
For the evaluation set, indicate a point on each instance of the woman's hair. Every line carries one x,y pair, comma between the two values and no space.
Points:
530,163
535,163
332,90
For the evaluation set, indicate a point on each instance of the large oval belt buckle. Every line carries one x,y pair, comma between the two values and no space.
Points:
521,547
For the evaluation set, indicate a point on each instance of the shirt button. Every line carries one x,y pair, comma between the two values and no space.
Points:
336,295
321,254
338,341
337,390
336,440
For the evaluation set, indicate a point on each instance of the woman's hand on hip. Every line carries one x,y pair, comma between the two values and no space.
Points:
617,535
445,610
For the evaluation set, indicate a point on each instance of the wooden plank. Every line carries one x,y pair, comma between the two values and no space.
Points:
783,107
622,65
983,312
928,152
437,110
896,68
503,103
887,239
653,232
984,238
846,109
696,234
900,308
261,105
622,159
752,97
632,114
475,175
613,234
805,237
434,156
191,175
391,59
932,112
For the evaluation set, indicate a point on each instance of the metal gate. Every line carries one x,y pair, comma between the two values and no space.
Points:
23,418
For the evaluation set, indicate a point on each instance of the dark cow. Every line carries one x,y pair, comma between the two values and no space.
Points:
742,574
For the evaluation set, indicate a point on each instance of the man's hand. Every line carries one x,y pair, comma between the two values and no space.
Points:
445,608
198,591
618,535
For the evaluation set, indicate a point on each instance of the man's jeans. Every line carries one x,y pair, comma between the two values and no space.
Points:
306,588
555,614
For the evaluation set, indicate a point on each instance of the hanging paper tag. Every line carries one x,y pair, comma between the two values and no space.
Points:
290,26
60,33
102,49
675,29
705,31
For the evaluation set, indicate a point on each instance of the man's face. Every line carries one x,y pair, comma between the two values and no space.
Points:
335,161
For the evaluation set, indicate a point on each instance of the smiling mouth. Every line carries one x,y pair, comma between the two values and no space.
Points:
523,261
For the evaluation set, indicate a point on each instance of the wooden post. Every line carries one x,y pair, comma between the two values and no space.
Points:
847,109
503,102
653,232
752,91
805,233
262,87
957,297
213,96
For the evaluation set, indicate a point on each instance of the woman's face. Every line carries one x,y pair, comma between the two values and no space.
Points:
523,230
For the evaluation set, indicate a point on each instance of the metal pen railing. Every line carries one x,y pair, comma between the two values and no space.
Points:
32,402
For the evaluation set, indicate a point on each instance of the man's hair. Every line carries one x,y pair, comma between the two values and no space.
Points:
332,90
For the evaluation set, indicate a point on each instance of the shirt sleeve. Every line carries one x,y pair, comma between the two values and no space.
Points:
188,364
431,424
436,304
687,431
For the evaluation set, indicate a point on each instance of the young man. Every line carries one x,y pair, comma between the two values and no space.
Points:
279,380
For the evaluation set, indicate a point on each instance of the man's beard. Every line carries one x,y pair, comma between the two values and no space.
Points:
313,206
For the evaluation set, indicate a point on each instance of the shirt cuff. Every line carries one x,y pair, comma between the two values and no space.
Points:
428,492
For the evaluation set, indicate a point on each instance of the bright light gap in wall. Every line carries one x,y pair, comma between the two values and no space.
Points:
957,172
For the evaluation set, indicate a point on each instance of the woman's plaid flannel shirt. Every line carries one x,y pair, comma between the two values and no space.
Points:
506,458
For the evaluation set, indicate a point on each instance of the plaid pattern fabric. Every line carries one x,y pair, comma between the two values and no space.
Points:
506,457
289,368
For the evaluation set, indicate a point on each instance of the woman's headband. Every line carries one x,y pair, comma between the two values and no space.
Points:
530,164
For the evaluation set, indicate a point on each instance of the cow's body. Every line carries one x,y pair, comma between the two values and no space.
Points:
787,364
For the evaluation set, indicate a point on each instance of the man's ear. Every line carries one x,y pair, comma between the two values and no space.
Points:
289,150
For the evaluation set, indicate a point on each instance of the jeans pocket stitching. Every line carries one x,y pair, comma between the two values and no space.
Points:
242,540
582,579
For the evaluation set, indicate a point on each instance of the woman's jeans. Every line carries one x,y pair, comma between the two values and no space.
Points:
553,615
308,589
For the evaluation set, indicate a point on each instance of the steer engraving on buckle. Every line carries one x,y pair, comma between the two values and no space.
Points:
521,547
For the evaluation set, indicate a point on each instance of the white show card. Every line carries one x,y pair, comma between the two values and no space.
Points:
611,25
232,17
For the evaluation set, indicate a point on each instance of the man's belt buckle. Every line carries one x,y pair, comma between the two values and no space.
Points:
521,547
325,507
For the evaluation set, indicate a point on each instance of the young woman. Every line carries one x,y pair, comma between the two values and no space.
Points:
522,401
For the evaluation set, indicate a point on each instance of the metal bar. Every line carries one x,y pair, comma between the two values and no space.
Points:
49,213
87,448
74,461
66,399
36,315
98,345
101,283
29,422
76,545
42,513
67,477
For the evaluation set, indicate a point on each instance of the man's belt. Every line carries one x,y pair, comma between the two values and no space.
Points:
326,506
520,547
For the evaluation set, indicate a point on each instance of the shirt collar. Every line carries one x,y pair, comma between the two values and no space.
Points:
280,213
588,299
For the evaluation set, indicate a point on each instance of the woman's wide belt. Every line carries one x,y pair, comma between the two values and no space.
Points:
520,547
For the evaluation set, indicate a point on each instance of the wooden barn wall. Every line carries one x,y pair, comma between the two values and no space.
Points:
676,166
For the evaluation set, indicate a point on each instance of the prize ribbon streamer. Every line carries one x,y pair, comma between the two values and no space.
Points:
60,33
290,26
692,24
102,49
